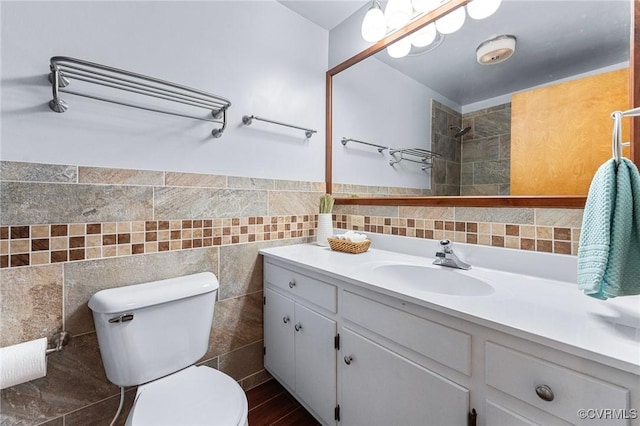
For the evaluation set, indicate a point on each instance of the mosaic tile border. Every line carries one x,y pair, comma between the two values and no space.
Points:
549,239
28,245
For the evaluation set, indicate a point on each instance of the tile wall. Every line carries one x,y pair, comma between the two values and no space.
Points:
445,173
486,152
69,231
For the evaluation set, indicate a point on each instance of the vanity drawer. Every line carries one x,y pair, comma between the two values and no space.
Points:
519,375
317,292
447,346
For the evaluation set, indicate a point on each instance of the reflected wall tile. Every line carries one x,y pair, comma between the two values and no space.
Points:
103,175
202,203
31,303
83,279
566,218
36,172
75,378
30,203
243,362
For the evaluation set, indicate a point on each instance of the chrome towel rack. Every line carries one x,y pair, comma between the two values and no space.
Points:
64,70
247,120
616,139
422,156
379,147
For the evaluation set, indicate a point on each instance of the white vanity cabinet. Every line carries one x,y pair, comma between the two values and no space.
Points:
407,361
299,340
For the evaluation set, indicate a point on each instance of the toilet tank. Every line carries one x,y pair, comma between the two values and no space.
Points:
147,331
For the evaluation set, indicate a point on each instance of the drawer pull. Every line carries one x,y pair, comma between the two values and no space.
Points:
348,359
544,392
285,319
292,284
298,327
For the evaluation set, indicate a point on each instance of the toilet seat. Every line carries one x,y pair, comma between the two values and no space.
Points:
195,396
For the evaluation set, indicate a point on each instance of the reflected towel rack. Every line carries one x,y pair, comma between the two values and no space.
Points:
64,70
379,147
422,156
616,138
247,119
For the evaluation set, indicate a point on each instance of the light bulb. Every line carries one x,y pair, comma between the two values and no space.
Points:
400,48
374,25
421,6
424,36
398,13
451,22
480,9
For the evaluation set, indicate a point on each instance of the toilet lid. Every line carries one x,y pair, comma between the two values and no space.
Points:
195,396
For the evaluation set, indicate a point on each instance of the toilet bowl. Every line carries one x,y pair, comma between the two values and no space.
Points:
151,335
194,396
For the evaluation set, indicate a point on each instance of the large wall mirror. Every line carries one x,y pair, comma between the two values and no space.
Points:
437,127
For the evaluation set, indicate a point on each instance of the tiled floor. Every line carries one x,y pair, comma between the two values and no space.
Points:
271,404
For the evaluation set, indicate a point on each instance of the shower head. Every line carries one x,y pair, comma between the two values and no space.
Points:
460,131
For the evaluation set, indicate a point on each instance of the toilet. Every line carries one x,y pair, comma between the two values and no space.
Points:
150,335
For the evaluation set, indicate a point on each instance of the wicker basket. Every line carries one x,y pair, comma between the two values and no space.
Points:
347,246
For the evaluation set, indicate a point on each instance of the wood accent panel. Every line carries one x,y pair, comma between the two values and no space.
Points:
561,134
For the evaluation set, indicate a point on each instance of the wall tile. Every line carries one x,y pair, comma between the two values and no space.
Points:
31,303
250,183
436,213
31,203
83,279
101,413
384,211
481,214
293,203
36,172
101,175
481,149
195,179
294,185
566,218
75,378
237,323
202,203
243,362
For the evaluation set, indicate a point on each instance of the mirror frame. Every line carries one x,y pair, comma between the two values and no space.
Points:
475,201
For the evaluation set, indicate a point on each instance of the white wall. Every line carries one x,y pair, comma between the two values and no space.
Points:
263,57
375,103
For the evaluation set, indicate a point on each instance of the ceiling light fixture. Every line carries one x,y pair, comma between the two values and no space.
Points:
376,25
496,50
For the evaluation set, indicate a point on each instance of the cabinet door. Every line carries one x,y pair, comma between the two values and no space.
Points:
316,361
379,387
278,337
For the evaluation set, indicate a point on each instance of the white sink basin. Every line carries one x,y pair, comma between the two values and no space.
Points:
431,279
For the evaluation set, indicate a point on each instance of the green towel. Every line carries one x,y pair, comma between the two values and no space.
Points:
609,250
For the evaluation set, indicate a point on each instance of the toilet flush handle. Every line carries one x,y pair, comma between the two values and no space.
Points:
121,318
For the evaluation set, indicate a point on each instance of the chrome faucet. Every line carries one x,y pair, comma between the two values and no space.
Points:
446,257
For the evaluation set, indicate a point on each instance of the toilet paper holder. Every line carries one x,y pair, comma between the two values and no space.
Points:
59,340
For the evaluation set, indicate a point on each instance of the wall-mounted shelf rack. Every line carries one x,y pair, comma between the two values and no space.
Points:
248,119
414,155
65,70
379,147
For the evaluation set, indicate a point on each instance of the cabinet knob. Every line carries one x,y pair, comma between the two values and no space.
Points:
298,327
285,319
544,392
292,284
348,359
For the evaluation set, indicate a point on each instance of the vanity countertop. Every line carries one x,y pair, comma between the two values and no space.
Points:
550,312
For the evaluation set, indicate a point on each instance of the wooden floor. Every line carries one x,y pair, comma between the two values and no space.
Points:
271,404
